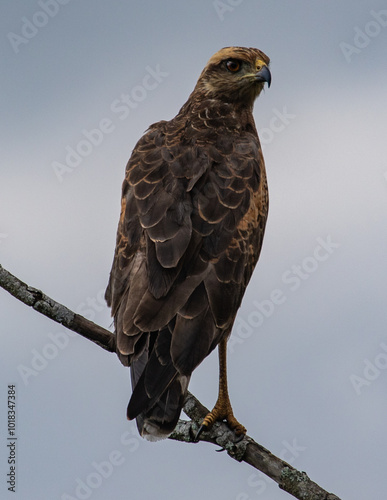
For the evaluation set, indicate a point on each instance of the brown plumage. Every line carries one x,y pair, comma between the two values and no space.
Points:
193,214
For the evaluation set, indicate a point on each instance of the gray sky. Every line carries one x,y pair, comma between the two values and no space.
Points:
308,360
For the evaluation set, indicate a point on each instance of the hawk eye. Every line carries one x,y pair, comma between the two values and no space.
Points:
233,65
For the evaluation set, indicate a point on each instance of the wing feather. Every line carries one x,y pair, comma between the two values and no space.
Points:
188,239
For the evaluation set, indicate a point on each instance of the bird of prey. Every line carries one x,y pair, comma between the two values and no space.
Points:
193,214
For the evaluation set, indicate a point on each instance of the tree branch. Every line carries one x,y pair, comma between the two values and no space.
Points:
57,312
246,450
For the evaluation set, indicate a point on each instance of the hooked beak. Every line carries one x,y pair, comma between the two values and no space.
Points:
263,75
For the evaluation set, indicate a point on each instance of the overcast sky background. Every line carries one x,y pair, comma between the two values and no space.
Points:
309,378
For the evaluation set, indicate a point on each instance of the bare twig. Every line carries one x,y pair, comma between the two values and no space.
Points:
246,450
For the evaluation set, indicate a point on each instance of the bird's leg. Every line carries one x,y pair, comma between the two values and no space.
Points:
222,409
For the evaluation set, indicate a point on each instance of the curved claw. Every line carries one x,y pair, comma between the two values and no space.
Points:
200,430
239,438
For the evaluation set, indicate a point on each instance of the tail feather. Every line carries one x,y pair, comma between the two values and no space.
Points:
144,397
159,391
160,421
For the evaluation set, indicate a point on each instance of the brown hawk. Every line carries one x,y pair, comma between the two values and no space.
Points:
193,213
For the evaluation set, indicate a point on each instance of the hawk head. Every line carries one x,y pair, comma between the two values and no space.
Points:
235,74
